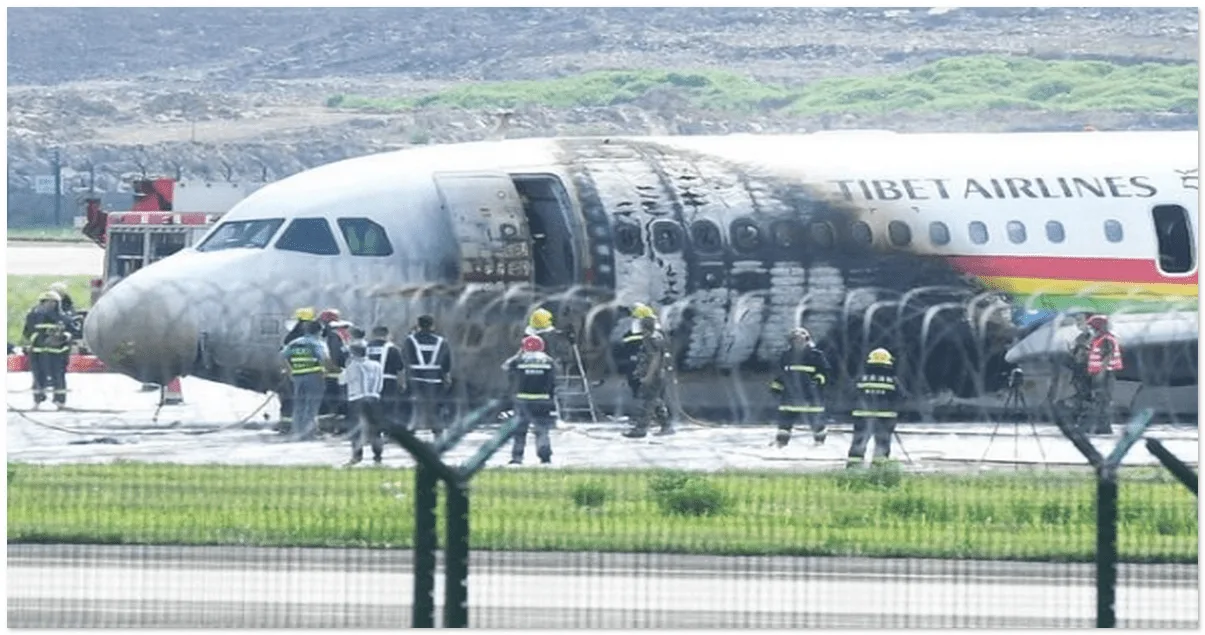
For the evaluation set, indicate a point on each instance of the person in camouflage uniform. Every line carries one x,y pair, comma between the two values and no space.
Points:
651,367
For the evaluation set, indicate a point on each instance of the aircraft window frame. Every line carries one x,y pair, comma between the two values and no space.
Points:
315,221
861,233
788,234
1053,228
983,236
1165,251
254,233
667,237
705,237
822,234
385,247
1017,233
939,233
1114,231
899,233
745,235
628,239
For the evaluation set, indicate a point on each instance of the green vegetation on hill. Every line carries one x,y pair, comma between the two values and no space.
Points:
878,512
970,83
23,292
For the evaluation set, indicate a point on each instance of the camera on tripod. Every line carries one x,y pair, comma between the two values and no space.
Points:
1016,378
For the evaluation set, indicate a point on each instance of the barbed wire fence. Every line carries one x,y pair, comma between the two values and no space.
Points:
986,516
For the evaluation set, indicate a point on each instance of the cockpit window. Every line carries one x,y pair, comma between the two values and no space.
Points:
310,236
236,234
365,237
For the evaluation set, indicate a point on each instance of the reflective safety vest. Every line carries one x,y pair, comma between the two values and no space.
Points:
426,368
50,337
1096,361
302,360
536,380
878,391
380,353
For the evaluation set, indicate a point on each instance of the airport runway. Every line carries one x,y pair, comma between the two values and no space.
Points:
25,258
66,586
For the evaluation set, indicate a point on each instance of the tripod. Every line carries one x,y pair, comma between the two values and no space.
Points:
1015,404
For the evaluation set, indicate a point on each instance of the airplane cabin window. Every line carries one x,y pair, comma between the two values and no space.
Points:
1016,231
939,234
823,235
310,236
667,237
235,234
1113,232
1174,234
627,238
365,237
787,234
861,233
978,232
705,237
1055,232
746,236
899,233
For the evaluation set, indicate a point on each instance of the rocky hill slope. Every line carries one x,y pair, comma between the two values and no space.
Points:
211,92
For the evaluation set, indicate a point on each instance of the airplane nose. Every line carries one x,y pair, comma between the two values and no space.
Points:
143,328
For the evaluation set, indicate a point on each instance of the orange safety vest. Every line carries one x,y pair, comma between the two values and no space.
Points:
1096,363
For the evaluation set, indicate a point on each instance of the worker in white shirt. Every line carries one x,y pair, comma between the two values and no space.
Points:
364,379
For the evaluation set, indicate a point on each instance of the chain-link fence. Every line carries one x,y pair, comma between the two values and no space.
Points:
126,512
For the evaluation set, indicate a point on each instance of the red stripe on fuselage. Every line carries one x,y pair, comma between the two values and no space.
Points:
1069,268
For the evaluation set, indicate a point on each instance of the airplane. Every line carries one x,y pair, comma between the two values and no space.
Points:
968,255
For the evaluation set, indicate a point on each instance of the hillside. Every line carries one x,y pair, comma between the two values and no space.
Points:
273,91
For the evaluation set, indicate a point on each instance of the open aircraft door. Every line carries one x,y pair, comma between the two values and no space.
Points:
490,224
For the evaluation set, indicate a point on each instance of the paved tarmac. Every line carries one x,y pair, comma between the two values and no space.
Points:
54,259
69,586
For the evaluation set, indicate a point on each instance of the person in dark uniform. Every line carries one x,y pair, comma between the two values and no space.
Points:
1081,381
284,393
1104,359
306,357
49,332
876,414
66,304
802,375
334,400
626,348
533,373
381,349
651,370
427,357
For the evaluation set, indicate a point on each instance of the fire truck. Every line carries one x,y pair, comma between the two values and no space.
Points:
167,216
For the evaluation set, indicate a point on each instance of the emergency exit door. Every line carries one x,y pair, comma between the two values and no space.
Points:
490,224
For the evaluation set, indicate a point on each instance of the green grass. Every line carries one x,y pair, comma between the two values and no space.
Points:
47,234
1047,516
23,292
972,83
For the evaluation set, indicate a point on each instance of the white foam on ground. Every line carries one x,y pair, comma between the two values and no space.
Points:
115,421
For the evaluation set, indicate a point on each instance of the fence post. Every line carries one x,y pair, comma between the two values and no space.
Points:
1106,548
426,541
456,560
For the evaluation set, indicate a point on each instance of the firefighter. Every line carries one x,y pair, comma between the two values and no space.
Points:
334,401
301,316
1081,381
533,375
626,348
1104,359
802,375
427,359
876,414
48,331
66,304
382,349
364,379
650,372
307,358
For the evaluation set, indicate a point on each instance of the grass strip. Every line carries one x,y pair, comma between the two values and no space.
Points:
23,292
47,234
967,83
1046,516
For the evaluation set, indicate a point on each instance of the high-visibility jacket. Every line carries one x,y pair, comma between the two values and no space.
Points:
878,393
48,331
306,355
535,375
388,355
1099,359
802,375
427,357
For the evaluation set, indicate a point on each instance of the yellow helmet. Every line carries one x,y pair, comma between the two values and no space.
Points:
641,310
879,356
49,295
305,314
540,319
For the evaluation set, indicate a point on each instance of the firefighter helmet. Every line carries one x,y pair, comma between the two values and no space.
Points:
1099,322
49,295
328,315
641,311
533,344
304,314
800,333
879,356
59,287
540,319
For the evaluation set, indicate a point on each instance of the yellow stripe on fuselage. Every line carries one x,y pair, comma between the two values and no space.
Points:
1093,288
